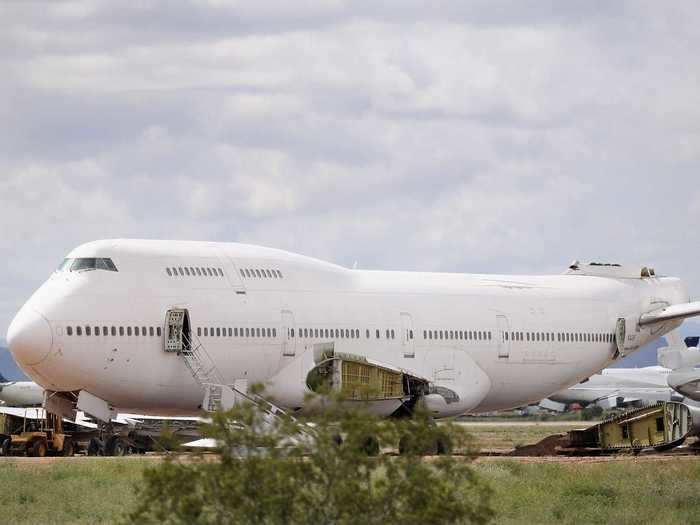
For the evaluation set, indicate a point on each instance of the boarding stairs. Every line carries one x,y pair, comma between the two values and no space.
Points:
217,394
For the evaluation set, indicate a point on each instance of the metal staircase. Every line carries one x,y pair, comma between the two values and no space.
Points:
217,394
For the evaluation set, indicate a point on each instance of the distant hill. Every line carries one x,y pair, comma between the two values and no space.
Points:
8,367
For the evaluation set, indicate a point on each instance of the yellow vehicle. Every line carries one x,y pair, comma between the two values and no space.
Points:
38,438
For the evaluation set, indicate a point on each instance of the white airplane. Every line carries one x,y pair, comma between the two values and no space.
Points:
20,393
675,379
141,326
614,386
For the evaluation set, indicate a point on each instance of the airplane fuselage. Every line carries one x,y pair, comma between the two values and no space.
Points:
506,341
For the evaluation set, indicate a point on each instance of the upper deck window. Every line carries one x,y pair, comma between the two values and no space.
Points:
87,263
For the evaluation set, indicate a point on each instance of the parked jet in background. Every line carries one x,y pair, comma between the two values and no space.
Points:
676,380
144,326
20,393
621,386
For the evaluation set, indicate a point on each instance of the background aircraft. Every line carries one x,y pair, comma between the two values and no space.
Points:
20,393
675,378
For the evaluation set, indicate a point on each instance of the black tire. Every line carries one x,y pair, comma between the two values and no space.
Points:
39,448
95,448
116,446
68,448
443,445
370,446
5,447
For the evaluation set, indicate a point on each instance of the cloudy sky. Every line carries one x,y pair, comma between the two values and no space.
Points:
478,136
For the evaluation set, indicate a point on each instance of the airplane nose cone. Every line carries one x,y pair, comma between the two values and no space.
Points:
29,337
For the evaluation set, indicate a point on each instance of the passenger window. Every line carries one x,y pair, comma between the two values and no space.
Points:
392,335
158,331
69,330
377,335
78,330
206,331
367,333
121,331
180,270
151,331
430,334
169,272
199,331
87,330
97,330
136,330
410,334
242,273
279,273
187,271
292,332
221,272
128,330
274,332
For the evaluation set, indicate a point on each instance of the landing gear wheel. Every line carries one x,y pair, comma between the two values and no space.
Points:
96,448
116,447
370,446
5,447
39,448
443,445
68,448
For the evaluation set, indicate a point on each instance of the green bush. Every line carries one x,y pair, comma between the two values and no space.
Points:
321,472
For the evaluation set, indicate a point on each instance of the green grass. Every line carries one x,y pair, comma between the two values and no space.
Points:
615,492
88,490
93,490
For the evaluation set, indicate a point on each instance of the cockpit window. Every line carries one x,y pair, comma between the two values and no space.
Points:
65,265
87,263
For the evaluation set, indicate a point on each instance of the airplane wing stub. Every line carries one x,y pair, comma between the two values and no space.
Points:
671,313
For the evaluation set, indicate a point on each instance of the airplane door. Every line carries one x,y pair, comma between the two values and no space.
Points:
289,340
407,336
232,273
177,330
502,336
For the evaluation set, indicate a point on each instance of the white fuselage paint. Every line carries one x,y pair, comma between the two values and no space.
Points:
134,373
21,394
